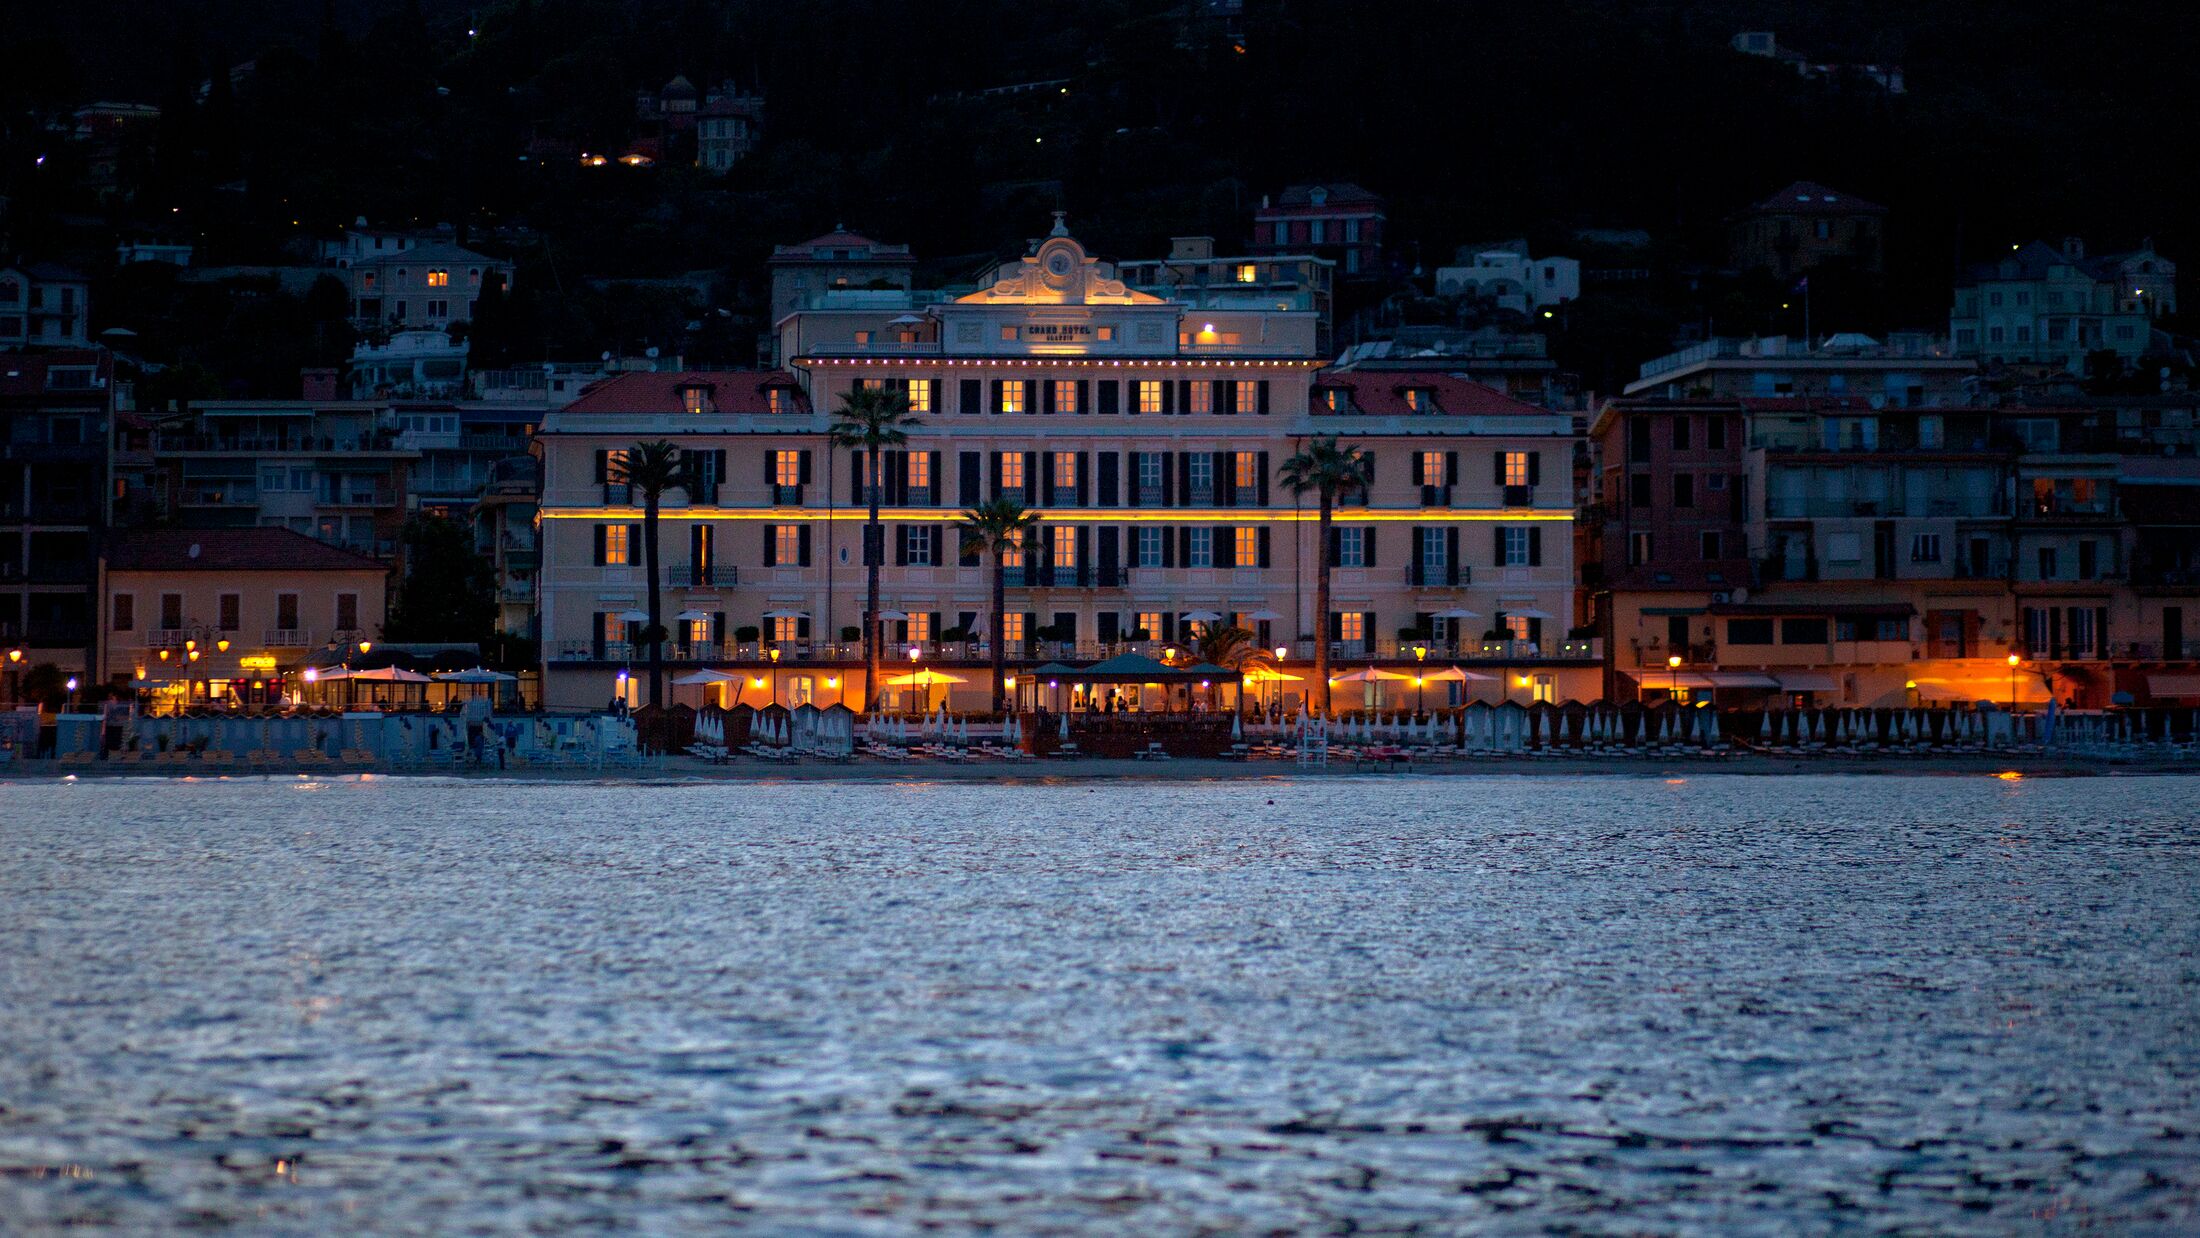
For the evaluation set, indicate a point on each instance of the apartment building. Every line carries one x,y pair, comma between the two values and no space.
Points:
1147,432
219,615
1342,222
1907,369
2054,306
45,305
331,469
56,410
1807,225
1862,554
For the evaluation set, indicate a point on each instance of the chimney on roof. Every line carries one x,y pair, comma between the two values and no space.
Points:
1192,248
317,384
2074,247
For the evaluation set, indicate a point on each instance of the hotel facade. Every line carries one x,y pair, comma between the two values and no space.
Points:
1146,432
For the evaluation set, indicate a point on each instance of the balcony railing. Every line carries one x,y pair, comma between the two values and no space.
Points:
708,576
288,638
1438,575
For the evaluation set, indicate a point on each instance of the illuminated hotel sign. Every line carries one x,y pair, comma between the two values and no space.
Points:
258,662
1057,332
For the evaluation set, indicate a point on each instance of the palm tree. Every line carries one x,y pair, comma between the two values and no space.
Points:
872,419
999,527
1235,649
653,468
1334,472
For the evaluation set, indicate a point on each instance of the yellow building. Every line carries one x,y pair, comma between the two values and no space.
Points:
220,614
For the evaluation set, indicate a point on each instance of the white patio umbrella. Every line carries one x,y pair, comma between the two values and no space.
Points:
1267,615
476,674
706,677
1457,612
634,616
1201,616
692,615
893,614
803,614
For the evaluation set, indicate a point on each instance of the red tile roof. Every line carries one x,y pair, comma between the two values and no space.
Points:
1812,198
1382,393
731,391
24,374
230,550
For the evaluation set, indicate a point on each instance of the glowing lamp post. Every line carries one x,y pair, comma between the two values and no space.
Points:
1673,667
2014,660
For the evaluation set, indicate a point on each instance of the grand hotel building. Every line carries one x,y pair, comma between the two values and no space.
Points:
1146,431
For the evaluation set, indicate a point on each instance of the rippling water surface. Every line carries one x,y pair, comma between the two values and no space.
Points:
1606,1005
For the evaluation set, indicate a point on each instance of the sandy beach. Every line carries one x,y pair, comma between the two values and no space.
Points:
1089,769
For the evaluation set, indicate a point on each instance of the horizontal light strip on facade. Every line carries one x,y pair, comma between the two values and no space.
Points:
1118,515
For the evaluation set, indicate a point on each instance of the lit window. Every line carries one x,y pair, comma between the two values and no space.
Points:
776,400
1012,470
786,468
1248,547
1516,626
920,395
614,629
439,279
1065,548
920,627
786,628
1149,622
1203,398
1247,273
1432,468
1012,554
1103,334
698,631
920,470
1065,395
1012,629
1012,395
1333,400
787,545
1352,625
1065,470
1248,395
616,552
1413,399
1245,470
1008,335
1516,468
1149,396
1202,549
694,399
863,337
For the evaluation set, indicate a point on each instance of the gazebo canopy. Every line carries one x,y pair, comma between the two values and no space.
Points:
1138,668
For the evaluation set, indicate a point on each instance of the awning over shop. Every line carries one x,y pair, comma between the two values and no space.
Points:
1713,679
1806,681
2029,689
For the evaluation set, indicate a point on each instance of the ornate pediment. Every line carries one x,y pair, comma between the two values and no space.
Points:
1060,272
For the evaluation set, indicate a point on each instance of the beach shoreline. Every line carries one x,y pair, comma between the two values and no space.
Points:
677,770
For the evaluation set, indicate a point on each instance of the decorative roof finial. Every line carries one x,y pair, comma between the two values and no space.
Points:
1061,224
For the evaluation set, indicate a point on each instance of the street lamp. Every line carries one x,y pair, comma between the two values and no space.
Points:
2013,661
1419,653
72,693
1673,665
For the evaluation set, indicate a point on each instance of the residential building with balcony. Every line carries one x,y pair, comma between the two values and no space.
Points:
1193,276
1893,554
2041,305
506,534
1908,369
1807,225
330,469
835,264
44,305
1147,432
215,615
462,446
416,282
56,413
1506,275
1341,222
